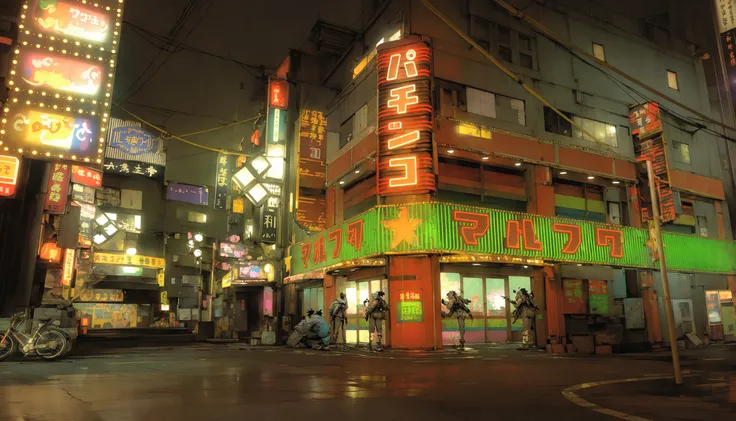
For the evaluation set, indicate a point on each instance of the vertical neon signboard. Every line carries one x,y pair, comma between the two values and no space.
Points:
405,163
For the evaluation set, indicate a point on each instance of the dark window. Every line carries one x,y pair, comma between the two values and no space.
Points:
525,43
505,53
525,60
504,35
553,123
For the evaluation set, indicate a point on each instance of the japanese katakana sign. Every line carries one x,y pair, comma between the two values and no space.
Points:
405,164
58,188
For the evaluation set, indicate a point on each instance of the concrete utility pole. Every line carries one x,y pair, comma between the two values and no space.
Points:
663,271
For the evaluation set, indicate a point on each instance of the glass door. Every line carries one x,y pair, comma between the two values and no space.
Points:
516,283
357,292
497,320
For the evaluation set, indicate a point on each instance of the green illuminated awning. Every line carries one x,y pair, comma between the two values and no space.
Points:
446,228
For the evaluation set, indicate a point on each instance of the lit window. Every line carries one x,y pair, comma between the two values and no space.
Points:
481,102
682,152
197,217
603,132
672,80
599,52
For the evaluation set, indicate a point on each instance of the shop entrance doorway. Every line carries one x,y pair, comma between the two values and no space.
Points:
492,319
357,292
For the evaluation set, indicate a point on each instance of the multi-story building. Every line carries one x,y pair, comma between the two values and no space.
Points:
447,171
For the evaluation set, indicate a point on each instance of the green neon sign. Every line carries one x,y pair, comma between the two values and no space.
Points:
447,228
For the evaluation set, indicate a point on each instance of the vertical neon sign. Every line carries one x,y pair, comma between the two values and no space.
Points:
405,164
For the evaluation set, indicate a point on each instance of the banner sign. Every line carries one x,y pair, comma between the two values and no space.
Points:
127,260
123,167
196,195
311,200
9,167
269,228
514,237
405,120
222,181
645,119
86,176
58,188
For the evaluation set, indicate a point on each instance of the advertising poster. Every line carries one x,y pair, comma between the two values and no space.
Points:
410,307
61,73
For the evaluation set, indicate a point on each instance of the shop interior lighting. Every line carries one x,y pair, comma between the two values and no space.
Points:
563,172
342,182
590,177
486,158
616,182
450,151
357,171
518,164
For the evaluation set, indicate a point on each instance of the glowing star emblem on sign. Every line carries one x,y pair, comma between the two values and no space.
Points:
403,229
405,119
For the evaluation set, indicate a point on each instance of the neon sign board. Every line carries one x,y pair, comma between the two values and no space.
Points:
61,73
405,164
72,19
446,228
52,131
62,67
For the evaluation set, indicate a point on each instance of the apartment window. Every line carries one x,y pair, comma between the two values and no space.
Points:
504,35
603,132
360,120
505,53
672,80
481,102
346,132
553,123
526,58
682,152
480,31
599,52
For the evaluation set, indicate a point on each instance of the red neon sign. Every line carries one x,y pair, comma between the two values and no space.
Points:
405,164
278,93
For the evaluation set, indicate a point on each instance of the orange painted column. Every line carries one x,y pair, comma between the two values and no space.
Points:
541,192
414,289
330,291
330,208
556,333
539,291
651,310
634,207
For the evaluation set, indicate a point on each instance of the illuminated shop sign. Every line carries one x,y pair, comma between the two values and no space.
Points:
86,176
61,79
57,188
61,73
74,20
311,201
133,140
232,250
126,260
9,166
55,132
278,93
445,228
250,272
67,272
405,163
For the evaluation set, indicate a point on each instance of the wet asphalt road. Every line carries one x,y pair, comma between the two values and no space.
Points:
210,382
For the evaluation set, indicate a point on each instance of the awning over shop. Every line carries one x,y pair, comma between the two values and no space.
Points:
314,274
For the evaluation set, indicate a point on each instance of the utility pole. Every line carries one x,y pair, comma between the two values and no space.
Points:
663,270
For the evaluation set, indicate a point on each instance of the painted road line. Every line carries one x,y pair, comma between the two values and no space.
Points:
569,394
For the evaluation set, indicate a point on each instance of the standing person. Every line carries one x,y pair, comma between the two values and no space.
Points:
525,310
375,313
338,317
457,307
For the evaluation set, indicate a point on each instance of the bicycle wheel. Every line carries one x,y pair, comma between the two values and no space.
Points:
7,347
50,344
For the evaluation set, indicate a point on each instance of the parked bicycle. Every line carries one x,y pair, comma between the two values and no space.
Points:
46,341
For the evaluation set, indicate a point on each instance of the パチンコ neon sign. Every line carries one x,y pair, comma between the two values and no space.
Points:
405,164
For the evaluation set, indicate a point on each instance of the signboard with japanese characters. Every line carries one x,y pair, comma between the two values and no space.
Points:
278,93
127,260
9,167
61,80
86,224
269,229
222,181
276,130
58,188
655,149
123,167
82,193
409,308
133,140
725,15
86,176
311,203
196,195
67,268
405,118
645,119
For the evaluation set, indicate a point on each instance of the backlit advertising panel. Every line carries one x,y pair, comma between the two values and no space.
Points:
9,166
60,80
72,19
61,73
55,132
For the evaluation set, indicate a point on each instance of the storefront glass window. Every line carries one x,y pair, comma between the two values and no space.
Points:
449,282
352,297
515,284
473,291
495,302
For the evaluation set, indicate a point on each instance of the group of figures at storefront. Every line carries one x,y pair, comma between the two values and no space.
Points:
315,332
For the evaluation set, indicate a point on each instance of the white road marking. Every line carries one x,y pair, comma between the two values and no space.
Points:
569,394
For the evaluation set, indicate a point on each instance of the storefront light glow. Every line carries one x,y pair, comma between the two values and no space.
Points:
131,251
130,270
